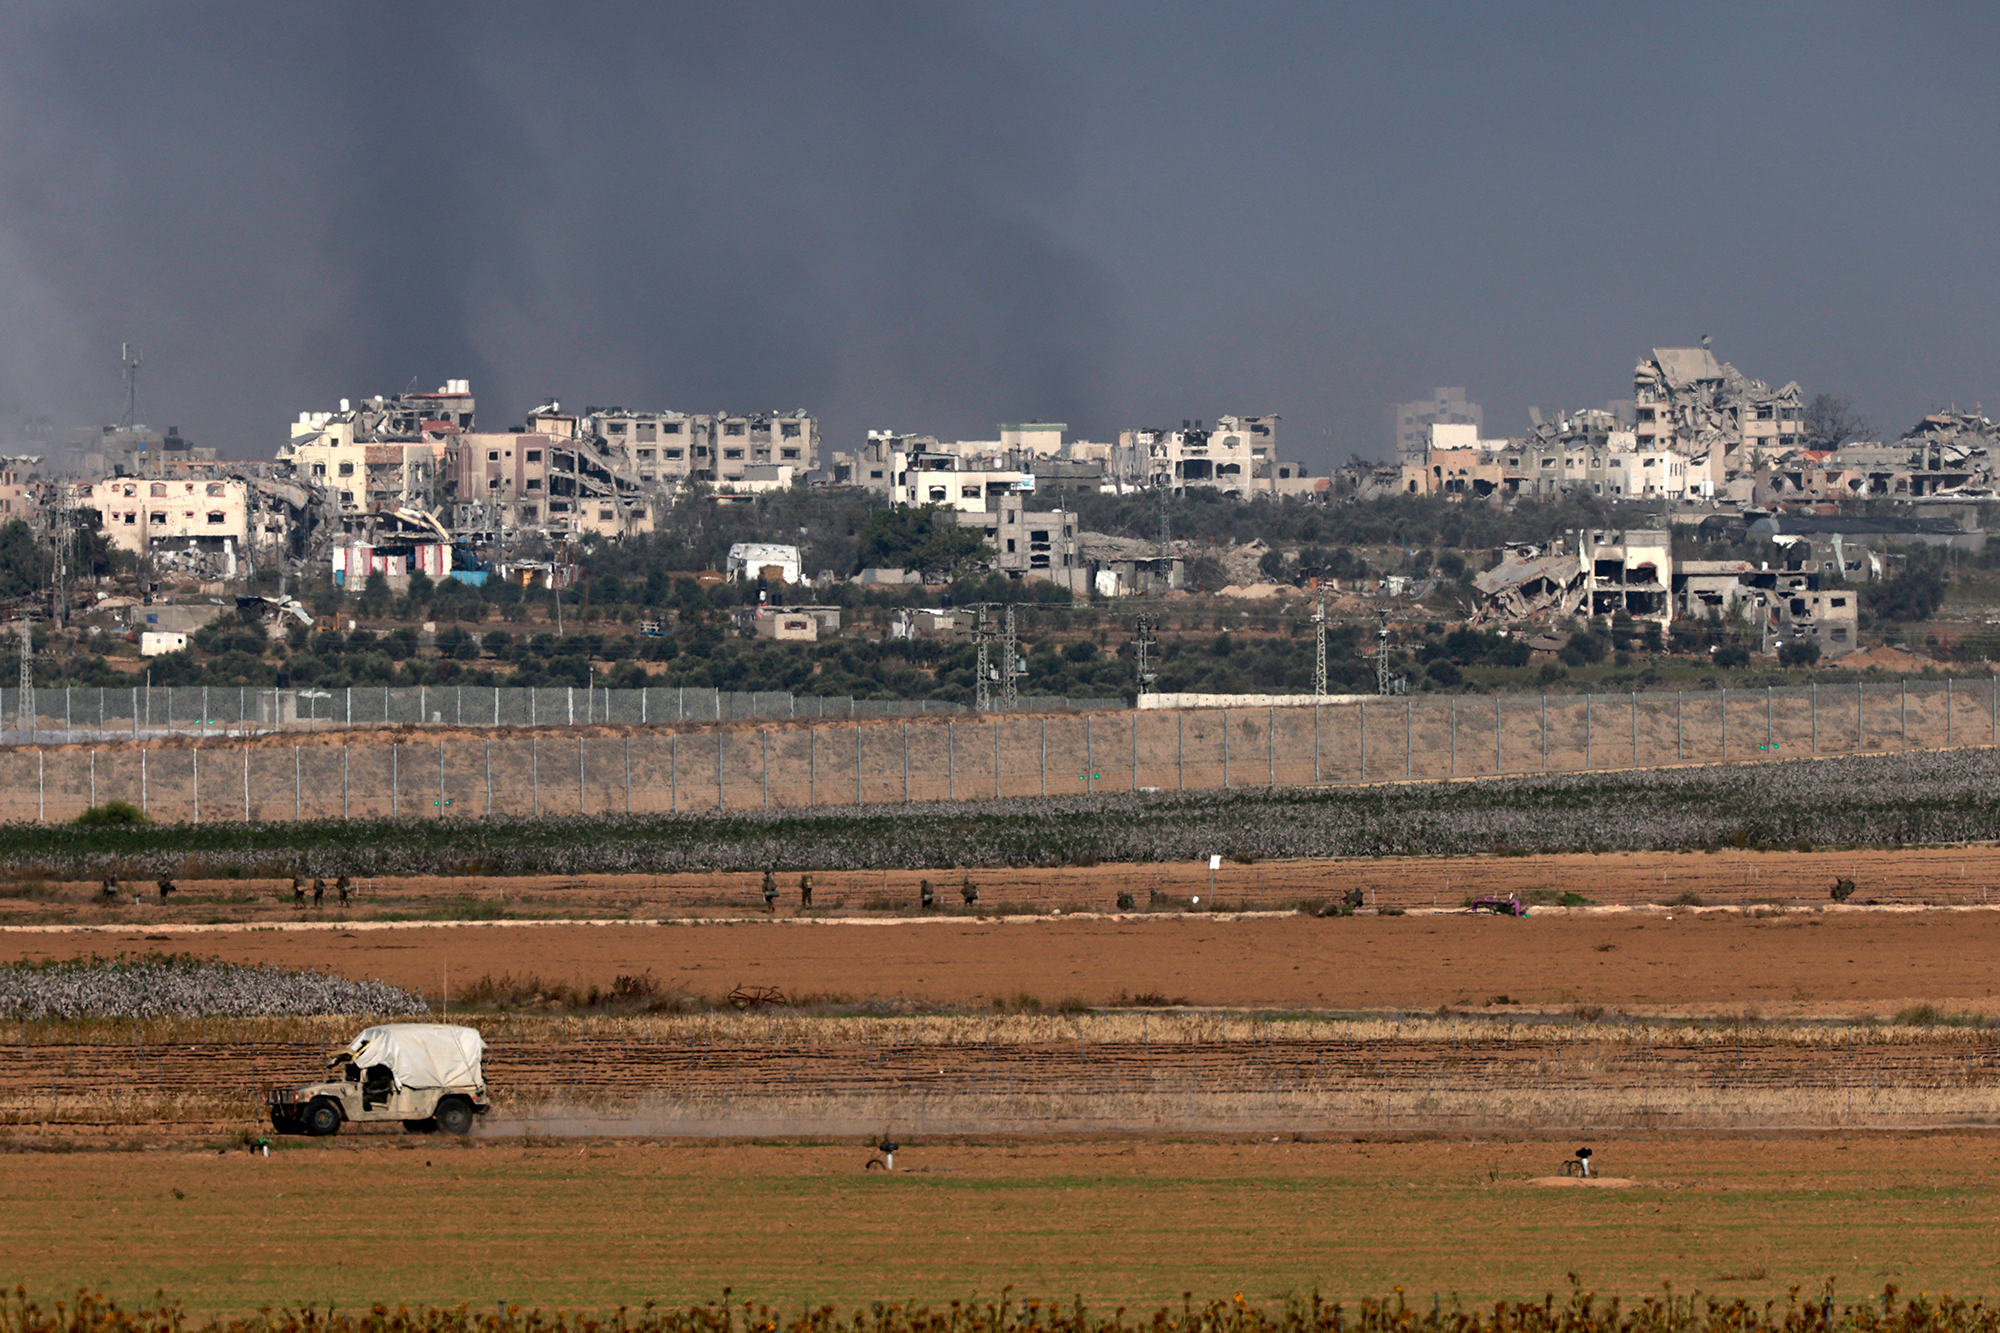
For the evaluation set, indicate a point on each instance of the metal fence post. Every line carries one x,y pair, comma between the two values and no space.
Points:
1407,748
194,757
1225,749
535,774
1180,750
1725,722
1947,711
906,763
42,795
1767,717
1045,756
1680,732
764,745
93,775
246,784
343,780
489,777
1635,728
950,762
1903,708
1586,728
719,738
674,773
1545,733
1454,736
1315,743
395,780
441,800
628,773
1499,764
143,806
1089,758
1860,714
1364,742
996,758
1271,747
1135,748
857,764
1814,687
579,775
812,767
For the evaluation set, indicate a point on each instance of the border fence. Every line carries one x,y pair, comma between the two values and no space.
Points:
136,713
806,760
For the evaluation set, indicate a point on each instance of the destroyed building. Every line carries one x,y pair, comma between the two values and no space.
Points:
672,448
1726,423
554,475
385,451
1590,574
1238,456
1030,544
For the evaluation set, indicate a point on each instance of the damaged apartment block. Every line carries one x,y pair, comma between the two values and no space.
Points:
1588,575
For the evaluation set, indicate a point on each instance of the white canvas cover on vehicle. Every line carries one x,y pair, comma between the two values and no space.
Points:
423,1055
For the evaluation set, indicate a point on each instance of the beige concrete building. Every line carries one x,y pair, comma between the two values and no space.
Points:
139,513
673,448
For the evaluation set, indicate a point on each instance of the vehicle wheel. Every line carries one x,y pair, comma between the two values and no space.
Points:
286,1124
454,1117
322,1118
421,1126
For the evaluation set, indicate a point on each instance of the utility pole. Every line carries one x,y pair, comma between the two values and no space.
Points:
1385,681
27,704
1144,646
1319,644
981,636
1010,661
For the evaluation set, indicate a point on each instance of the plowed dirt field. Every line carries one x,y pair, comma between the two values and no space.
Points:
1797,963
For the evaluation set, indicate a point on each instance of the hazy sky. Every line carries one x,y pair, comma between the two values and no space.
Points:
935,217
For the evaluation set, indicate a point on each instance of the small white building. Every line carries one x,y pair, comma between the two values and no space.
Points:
765,560
158,643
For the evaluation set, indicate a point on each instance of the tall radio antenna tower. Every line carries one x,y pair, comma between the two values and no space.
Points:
131,356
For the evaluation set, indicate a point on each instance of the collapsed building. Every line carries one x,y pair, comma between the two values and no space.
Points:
1726,423
1587,575
1945,455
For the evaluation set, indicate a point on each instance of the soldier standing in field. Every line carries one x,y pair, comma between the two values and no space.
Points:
805,890
342,887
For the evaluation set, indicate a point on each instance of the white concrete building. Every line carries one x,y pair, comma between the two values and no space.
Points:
766,560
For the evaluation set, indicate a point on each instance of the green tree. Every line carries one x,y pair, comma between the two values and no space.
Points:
24,563
1914,594
924,540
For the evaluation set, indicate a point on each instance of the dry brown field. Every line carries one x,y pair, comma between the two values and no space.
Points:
1801,956
597,1223
1939,876
1287,1109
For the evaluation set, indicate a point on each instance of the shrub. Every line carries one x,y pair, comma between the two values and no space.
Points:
112,812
